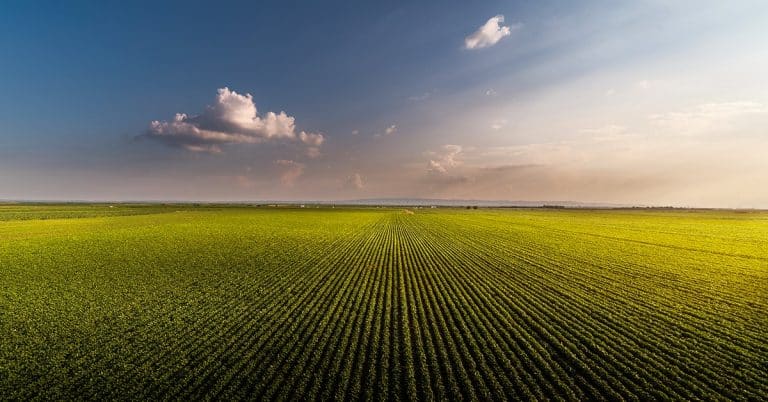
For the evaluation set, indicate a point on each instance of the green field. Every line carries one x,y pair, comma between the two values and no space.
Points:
182,302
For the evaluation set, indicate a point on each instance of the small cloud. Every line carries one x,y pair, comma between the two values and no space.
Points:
643,84
609,92
435,166
498,124
354,181
292,170
211,149
355,132
449,156
490,92
489,33
312,139
387,131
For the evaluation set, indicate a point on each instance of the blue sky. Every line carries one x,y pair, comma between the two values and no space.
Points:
648,102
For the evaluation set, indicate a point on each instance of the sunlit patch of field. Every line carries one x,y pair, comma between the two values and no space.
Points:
151,302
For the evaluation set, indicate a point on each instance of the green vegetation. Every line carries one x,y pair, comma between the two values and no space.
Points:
151,302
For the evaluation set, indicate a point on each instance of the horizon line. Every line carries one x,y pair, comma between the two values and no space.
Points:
388,201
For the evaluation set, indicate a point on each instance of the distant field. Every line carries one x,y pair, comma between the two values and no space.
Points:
154,302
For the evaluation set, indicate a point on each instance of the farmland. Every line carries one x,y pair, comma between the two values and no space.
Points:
183,302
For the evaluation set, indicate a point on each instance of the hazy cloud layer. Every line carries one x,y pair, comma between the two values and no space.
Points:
354,182
444,159
707,117
291,171
231,119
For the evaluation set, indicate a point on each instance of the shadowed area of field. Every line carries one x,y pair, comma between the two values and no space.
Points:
268,303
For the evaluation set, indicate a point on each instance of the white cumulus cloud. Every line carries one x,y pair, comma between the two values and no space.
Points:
489,33
231,119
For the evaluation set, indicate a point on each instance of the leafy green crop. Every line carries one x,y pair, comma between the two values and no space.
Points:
183,302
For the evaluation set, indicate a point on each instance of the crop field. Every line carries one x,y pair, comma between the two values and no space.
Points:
183,302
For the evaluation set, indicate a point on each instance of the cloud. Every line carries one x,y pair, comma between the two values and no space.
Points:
489,33
387,131
490,92
231,119
313,141
355,132
354,181
312,152
448,157
498,124
707,117
292,170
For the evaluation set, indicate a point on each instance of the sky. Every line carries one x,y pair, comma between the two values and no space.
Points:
645,102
